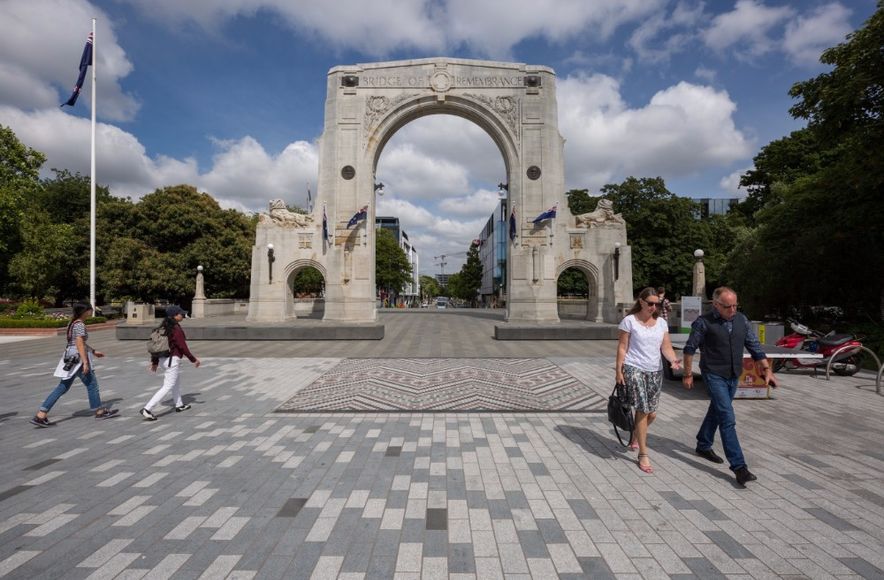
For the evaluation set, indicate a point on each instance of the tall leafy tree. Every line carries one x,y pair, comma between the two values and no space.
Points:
826,235
663,232
392,270
430,287
19,179
470,279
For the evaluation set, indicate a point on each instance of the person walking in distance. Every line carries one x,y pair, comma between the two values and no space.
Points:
171,363
722,334
644,335
81,357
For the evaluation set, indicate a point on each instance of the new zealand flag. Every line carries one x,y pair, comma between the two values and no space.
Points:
85,61
547,215
358,217
324,224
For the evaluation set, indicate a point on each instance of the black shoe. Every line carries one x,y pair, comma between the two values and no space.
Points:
148,416
183,407
710,455
41,422
744,475
106,413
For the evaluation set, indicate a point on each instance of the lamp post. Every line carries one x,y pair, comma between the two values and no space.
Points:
270,259
699,281
616,260
379,188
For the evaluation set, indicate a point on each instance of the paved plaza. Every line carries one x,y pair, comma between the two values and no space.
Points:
248,484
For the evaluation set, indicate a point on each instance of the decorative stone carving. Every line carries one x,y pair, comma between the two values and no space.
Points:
376,108
507,107
280,215
602,216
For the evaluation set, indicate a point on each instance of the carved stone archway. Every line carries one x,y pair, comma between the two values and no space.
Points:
516,105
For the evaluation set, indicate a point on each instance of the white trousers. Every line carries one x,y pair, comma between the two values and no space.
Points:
170,382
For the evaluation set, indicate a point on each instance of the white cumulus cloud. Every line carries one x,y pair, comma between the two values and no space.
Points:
746,29
807,36
683,129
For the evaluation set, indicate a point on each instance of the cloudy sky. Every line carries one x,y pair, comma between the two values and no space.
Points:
229,96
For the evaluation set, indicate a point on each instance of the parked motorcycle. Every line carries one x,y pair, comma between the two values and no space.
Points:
846,364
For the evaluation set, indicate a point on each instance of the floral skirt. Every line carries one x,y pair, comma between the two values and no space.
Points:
644,388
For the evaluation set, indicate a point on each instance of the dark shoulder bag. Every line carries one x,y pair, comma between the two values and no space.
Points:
620,413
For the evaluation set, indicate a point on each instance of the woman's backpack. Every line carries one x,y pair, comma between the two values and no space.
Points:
158,343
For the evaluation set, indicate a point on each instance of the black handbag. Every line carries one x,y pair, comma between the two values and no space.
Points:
620,412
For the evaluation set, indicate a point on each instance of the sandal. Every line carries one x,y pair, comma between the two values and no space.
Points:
646,468
633,445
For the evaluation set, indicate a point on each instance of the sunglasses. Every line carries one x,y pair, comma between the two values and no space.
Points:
654,304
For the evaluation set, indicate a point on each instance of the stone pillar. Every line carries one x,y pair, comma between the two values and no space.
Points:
198,309
699,280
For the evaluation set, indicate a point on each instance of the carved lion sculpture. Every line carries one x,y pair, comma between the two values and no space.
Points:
602,215
281,216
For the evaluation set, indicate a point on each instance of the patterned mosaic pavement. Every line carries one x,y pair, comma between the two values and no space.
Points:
232,489
445,385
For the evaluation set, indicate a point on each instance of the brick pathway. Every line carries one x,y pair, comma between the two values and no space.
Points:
232,489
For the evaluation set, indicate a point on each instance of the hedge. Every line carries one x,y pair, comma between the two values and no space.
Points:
43,322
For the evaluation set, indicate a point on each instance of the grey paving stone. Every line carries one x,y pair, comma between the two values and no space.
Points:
703,568
533,544
596,568
727,543
831,519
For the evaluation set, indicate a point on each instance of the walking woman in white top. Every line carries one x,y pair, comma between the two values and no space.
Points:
644,335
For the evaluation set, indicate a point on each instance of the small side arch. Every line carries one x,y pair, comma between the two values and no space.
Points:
591,271
295,307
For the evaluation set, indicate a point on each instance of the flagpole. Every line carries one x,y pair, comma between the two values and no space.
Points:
92,185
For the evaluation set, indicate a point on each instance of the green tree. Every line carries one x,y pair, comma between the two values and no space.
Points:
822,241
781,161
470,279
169,233
308,281
19,179
392,270
663,233
429,287
580,202
42,262
572,282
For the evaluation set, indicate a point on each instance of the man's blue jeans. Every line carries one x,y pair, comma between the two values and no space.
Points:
721,416
89,379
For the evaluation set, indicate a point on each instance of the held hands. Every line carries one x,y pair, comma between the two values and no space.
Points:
687,381
676,364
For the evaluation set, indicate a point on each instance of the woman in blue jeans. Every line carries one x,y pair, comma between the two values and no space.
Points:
76,345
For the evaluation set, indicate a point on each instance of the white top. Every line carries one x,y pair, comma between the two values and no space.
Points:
644,343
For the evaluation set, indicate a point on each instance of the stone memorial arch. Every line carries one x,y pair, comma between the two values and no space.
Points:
366,104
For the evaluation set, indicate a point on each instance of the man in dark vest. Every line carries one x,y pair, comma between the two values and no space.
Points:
722,333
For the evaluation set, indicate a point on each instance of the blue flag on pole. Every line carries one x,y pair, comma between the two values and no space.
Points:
358,217
324,224
309,200
513,224
85,61
547,215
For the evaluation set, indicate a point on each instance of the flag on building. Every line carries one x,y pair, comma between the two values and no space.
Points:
547,215
309,200
513,224
85,61
358,217
324,224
